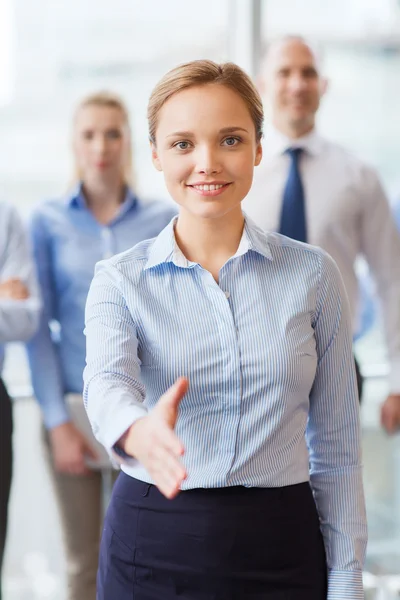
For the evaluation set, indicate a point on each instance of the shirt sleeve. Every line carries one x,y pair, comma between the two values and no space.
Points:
113,393
334,440
43,359
18,318
380,243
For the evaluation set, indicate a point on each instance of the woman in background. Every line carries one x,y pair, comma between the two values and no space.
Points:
100,217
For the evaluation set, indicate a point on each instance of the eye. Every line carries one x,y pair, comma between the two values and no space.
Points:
182,145
88,134
232,141
310,73
283,73
113,134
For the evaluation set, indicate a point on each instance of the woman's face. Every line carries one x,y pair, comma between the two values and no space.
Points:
207,148
101,143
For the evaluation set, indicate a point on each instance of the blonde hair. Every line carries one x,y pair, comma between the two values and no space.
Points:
108,99
202,72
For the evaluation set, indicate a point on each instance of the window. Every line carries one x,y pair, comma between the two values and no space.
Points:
65,50
6,52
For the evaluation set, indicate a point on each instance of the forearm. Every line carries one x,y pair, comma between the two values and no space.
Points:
112,407
333,436
46,378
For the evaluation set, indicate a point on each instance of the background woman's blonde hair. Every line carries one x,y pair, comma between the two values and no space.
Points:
201,72
109,100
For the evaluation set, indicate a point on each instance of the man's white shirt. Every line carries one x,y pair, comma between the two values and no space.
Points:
347,215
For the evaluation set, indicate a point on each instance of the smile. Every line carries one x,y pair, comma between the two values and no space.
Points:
209,189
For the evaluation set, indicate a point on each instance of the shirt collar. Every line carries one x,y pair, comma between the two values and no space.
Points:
165,248
276,143
76,199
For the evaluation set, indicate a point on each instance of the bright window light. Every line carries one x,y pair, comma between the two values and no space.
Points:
6,52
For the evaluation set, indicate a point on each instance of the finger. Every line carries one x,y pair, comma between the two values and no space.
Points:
167,439
164,462
391,425
169,402
387,421
168,486
168,491
175,393
18,296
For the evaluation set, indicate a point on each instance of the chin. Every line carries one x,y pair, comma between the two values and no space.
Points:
212,212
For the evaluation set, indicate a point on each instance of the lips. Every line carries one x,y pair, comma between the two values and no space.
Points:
209,189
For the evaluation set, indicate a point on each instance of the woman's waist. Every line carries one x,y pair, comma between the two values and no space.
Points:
130,492
214,474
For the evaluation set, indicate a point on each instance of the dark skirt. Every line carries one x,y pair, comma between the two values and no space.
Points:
211,544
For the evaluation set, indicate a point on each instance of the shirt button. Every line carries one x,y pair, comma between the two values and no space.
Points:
227,294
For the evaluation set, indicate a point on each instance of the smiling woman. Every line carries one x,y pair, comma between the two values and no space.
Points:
208,168
216,385
205,135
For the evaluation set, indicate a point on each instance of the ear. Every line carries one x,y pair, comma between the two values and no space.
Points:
154,157
259,153
324,85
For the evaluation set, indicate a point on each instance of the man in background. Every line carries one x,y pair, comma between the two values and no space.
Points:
19,317
312,190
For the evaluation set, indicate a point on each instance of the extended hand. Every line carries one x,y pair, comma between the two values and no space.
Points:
153,442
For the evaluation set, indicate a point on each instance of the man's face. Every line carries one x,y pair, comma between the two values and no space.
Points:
293,85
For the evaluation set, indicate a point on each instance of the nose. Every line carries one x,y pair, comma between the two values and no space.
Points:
100,144
208,162
298,83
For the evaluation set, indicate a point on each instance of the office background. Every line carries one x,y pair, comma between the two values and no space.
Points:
53,52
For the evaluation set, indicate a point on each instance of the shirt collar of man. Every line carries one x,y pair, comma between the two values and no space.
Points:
276,143
165,248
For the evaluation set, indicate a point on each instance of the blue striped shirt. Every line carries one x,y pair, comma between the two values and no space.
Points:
67,242
272,397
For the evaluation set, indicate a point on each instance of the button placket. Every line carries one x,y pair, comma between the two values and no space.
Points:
107,242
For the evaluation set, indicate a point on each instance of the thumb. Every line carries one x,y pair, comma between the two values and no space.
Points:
169,403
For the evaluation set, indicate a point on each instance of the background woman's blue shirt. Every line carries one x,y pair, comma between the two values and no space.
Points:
67,242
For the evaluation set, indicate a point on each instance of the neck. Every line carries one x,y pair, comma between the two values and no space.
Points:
209,242
104,198
103,192
293,131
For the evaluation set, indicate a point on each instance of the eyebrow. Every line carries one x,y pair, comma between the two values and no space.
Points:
223,130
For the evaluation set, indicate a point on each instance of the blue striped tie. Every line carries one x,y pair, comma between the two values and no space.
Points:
293,215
